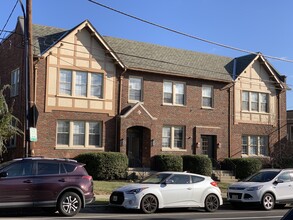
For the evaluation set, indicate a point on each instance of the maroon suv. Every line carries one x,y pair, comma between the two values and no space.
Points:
61,185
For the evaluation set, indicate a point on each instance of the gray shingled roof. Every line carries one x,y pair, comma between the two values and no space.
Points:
155,58
151,57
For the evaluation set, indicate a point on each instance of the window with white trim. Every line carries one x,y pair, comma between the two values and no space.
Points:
79,133
174,93
135,89
254,101
173,137
81,84
14,82
255,145
207,96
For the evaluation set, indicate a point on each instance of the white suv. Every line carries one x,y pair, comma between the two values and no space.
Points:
268,187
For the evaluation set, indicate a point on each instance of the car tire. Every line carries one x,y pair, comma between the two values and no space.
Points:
211,203
69,204
268,201
149,204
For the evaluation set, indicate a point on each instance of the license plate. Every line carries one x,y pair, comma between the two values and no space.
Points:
115,198
234,196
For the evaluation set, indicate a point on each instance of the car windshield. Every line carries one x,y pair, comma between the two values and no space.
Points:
156,178
262,176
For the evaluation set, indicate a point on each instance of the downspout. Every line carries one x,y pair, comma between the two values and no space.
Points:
231,107
119,110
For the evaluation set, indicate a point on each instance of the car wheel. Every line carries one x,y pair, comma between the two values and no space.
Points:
268,201
69,204
149,204
211,203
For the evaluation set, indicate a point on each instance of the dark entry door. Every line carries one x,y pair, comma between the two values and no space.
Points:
134,145
208,146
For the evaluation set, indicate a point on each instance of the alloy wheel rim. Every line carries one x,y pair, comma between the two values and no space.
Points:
70,204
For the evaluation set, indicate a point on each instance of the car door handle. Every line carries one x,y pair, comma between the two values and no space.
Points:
27,181
62,180
189,188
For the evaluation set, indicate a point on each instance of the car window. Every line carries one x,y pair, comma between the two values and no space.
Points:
155,178
196,179
262,176
19,169
45,168
179,179
285,177
69,167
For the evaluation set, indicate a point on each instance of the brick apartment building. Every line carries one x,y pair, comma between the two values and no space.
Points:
96,93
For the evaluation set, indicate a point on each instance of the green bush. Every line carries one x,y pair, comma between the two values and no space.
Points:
105,165
199,164
244,167
167,163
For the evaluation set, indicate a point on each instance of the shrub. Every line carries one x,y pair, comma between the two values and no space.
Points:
167,163
105,165
199,164
244,166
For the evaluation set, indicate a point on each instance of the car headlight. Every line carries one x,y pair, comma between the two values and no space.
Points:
254,188
136,191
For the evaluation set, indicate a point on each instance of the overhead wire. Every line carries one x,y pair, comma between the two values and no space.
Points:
186,34
9,17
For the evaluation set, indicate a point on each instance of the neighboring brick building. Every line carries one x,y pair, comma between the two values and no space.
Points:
97,93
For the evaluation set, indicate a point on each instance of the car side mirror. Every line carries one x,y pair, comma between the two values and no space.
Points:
277,181
3,174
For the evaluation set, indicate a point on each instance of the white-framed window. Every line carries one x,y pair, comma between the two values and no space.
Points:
79,133
14,82
65,81
81,84
135,89
254,145
173,137
174,93
255,101
207,96
96,84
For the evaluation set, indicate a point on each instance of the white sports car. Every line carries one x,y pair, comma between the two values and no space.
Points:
169,190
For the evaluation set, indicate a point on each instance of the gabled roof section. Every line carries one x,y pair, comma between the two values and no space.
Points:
243,62
45,37
135,107
159,59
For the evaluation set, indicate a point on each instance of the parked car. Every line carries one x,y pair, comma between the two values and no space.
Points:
169,190
268,187
55,184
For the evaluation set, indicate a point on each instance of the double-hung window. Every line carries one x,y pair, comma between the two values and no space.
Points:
79,133
96,85
135,89
174,93
173,137
14,82
255,145
254,101
207,96
81,84
65,87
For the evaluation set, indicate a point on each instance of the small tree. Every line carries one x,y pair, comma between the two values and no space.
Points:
7,129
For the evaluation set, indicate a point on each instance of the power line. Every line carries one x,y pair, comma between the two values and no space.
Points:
9,17
187,35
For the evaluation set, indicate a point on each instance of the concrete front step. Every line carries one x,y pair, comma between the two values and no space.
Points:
225,176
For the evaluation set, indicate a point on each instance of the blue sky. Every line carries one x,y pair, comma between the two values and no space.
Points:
260,26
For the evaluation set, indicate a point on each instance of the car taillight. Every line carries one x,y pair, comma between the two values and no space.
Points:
88,178
214,183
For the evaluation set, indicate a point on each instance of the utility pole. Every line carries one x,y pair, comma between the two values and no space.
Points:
30,120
